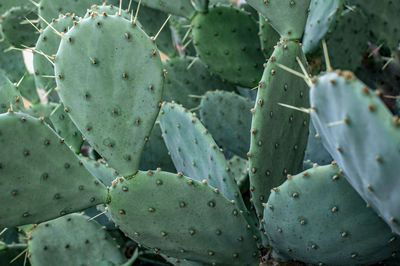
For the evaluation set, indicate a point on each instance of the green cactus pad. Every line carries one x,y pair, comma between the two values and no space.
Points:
228,118
361,134
99,169
27,88
322,17
16,29
226,40
288,17
9,95
268,37
48,43
194,151
40,178
43,110
348,39
187,79
155,154
383,20
188,219
278,134
183,8
315,151
91,75
11,62
66,128
51,9
72,240
318,218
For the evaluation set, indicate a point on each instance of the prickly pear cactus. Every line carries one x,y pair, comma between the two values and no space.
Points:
135,92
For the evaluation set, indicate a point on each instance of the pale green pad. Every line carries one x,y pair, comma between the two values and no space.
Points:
72,240
99,169
94,68
364,139
40,177
182,218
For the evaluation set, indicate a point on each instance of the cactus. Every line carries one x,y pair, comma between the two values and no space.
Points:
316,211
218,42
52,168
228,118
16,29
85,132
128,125
369,163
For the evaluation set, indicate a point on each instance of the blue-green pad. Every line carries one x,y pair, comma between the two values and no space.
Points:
9,95
363,137
278,134
194,151
183,8
48,43
91,75
183,218
288,17
16,29
317,217
155,154
72,240
40,177
226,40
64,127
322,16
187,79
268,36
99,169
228,118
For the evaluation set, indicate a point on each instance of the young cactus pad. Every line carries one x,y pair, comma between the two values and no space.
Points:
183,218
317,217
363,137
40,177
90,76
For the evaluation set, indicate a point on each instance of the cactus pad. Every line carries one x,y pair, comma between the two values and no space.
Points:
9,95
91,75
72,240
361,134
227,34
318,218
189,219
41,178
